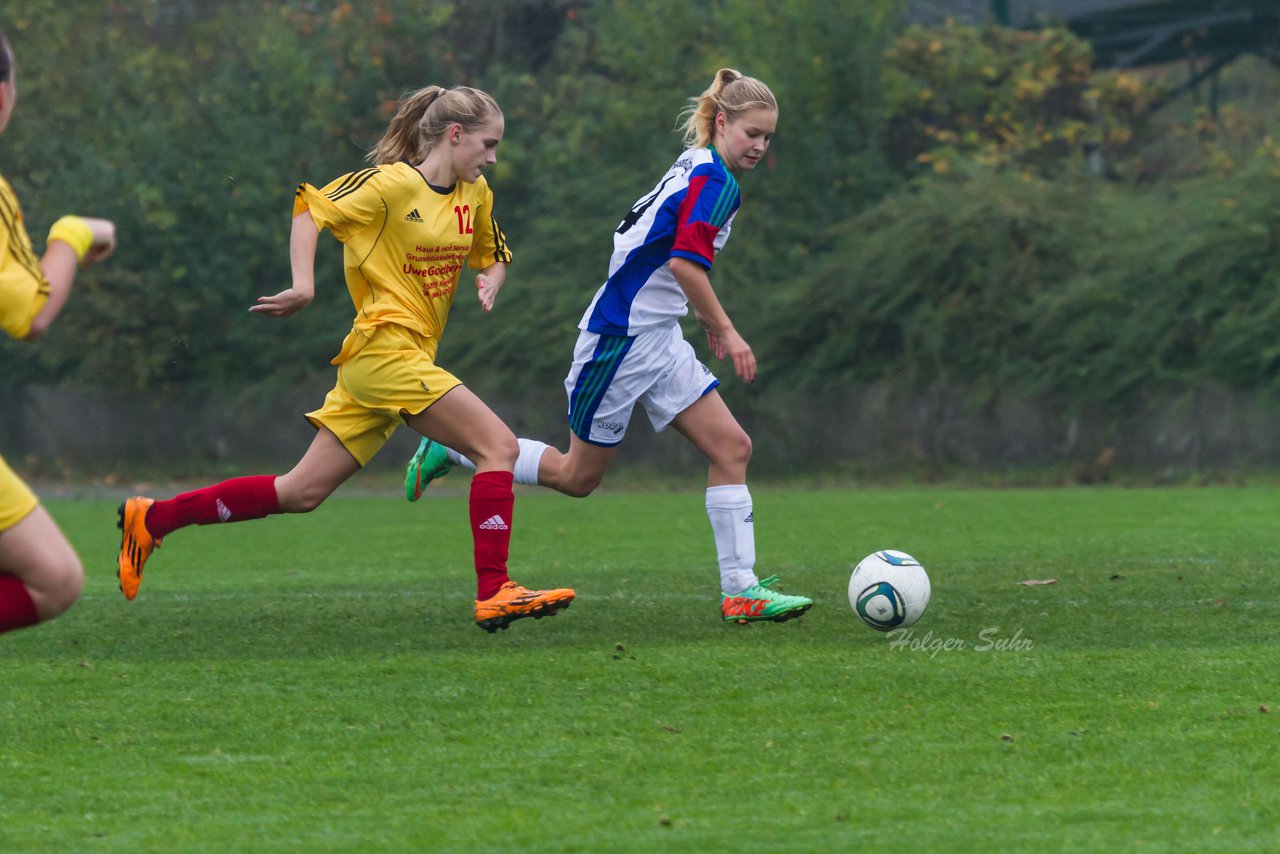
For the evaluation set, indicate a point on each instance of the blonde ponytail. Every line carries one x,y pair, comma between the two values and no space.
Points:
729,93
425,115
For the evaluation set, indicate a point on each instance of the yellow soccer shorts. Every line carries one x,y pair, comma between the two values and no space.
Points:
16,498
393,375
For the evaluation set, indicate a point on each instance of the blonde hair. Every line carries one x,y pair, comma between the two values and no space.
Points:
425,115
729,93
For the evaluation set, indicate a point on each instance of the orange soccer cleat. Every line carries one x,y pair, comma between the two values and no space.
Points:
136,543
512,602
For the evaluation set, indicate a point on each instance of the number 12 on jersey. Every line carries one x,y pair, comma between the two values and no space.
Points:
464,218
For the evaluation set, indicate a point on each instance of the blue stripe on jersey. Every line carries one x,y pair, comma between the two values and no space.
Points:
593,381
641,292
612,312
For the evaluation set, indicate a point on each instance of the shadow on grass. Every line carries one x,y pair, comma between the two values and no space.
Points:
337,623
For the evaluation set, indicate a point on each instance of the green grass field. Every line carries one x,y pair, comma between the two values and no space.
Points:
315,683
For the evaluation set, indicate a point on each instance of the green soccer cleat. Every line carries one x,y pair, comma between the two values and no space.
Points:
429,462
758,602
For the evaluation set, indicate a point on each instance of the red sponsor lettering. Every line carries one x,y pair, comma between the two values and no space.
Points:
741,607
423,272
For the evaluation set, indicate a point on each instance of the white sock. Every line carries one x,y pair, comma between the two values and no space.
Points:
526,471
531,451
458,459
729,509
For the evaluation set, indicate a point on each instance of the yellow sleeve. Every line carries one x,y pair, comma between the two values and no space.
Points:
346,205
489,244
23,288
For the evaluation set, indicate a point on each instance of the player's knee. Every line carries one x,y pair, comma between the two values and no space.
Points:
580,484
301,498
498,452
60,586
310,500
71,583
510,448
738,449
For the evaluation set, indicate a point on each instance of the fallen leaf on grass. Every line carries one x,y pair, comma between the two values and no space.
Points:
1035,582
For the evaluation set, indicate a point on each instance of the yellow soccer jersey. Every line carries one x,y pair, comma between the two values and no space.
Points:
405,243
23,287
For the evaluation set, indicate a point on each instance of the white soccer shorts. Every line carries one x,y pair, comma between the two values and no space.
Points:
610,373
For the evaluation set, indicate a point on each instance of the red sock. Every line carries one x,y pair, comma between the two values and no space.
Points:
491,504
235,500
17,611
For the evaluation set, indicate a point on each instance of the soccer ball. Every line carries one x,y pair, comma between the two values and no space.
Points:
889,590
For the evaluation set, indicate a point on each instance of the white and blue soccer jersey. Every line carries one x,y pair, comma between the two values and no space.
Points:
687,215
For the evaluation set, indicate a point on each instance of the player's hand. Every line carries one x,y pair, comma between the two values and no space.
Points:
487,288
733,346
104,240
715,345
282,304
713,340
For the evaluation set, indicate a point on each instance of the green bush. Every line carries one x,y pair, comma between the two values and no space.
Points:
925,215
191,124
1080,288
1184,291
933,284
1008,98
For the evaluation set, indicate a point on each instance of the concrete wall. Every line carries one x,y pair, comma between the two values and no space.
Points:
872,427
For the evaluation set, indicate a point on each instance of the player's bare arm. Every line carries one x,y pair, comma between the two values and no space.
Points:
303,239
59,266
722,338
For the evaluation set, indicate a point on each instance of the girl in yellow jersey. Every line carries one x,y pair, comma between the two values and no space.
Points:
408,224
40,574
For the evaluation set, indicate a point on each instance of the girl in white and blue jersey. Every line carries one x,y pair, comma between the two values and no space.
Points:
631,350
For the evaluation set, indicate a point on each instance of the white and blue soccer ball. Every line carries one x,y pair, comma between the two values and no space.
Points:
889,590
